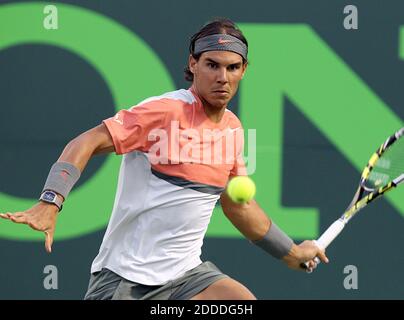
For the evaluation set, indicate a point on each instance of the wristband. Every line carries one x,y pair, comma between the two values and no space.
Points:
276,242
61,179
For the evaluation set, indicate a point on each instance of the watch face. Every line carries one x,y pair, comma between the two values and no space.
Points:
48,196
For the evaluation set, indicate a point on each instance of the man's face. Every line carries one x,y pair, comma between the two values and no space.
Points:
216,76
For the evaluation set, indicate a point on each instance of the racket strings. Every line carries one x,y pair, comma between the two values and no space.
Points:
388,167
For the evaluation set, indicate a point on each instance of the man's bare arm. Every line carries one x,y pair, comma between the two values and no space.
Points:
248,218
42,216
254,224
94,141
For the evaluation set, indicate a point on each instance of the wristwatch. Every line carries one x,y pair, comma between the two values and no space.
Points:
51,197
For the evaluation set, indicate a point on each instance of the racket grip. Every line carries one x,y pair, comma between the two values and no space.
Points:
326,238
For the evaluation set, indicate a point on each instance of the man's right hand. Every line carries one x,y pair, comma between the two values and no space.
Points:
304,252
41,217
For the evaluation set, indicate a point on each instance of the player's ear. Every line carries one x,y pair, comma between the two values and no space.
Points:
192,63
244,69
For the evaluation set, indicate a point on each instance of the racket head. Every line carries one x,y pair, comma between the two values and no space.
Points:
386,164
385,169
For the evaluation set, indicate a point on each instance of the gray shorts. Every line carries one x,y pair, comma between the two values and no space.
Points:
107,285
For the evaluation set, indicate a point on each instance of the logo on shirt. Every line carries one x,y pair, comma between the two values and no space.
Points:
118,119
233,130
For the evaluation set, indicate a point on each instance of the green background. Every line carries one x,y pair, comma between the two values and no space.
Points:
321,98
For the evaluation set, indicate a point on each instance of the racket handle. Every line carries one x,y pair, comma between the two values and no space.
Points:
326,238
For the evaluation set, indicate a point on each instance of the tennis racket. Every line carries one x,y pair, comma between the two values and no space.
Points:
384,172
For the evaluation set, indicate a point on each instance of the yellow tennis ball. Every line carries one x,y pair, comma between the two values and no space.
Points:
241,189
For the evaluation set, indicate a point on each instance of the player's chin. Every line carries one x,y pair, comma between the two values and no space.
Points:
220,102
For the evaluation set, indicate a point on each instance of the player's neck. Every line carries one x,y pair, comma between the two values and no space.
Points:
215,114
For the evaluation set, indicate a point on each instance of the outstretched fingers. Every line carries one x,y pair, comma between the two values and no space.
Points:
5,215
18,217
37,220
48,241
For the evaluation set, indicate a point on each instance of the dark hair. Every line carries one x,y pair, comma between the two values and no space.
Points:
216,26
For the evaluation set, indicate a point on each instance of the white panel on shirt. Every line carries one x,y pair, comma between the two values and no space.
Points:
156,229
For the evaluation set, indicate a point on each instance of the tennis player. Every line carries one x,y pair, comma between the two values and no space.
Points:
166,194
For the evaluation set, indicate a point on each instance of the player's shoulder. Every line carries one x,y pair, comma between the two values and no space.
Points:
232,119
172,100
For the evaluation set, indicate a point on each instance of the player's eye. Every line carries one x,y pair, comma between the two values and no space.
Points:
234,67
212,65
